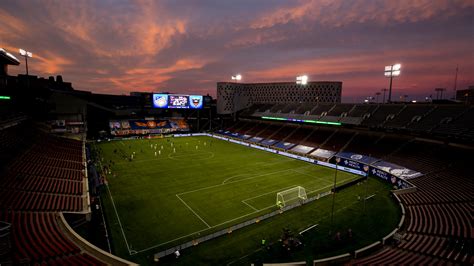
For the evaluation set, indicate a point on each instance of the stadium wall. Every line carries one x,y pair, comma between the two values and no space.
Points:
84,244
233,97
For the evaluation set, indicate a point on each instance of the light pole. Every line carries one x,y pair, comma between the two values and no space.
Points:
366,170
301,80
390,72
334,193
384,91
26,54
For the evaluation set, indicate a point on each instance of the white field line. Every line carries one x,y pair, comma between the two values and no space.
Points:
307,229
210,227
234,176
191,209
250,206
118,218
339,210
268,164
274,191
218,185
116,213
217,225
307,192
202,230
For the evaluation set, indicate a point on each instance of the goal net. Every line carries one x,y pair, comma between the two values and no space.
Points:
290,196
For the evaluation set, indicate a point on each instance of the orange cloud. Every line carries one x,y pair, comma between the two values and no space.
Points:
50,63
11,27
146,31
336,13
148,78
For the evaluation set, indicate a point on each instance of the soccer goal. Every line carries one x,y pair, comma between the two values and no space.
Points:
290,196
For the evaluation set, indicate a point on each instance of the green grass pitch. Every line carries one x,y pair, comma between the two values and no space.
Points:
197,185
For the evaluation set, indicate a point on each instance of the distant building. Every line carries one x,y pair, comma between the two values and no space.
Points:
466,96
232,97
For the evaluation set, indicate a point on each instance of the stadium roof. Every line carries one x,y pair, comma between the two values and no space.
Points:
7,58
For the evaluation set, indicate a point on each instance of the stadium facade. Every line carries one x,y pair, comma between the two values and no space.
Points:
233,97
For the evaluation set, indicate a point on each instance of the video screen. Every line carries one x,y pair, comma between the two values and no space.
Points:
177,101
160,100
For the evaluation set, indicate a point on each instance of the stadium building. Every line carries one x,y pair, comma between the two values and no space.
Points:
233,97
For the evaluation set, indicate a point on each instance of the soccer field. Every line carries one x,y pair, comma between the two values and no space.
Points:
196,185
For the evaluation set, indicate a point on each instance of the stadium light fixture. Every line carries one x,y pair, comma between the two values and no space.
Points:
390,72
237,77
26,54
5,97
302,80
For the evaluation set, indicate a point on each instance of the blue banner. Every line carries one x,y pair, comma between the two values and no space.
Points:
284,145
357,157
269,142
396,170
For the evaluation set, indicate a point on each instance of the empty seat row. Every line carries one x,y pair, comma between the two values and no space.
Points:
454,219
23,200
43,184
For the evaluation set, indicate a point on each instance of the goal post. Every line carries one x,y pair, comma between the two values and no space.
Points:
290,196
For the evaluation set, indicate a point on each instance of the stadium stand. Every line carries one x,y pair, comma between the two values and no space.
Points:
304,108
289,108
439,222
406,115
437,115
320,109
337,140
300,135
336,112
42,176
423,156
277,108
269,131
318,137
38,238
285,132
461,127
380,115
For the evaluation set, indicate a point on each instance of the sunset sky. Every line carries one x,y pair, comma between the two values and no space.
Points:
178,46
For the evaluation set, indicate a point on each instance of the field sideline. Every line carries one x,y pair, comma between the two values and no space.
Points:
185,191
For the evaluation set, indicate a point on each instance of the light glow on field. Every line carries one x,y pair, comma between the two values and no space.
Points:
192,193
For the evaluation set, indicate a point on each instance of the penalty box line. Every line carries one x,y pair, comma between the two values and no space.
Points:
217,225
191,209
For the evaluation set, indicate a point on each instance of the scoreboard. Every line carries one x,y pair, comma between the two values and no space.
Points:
177,101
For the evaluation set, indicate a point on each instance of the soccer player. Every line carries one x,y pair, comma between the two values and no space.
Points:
155,153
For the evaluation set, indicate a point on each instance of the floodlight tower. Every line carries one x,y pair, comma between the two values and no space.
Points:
237,77
26,54
302,80
390,72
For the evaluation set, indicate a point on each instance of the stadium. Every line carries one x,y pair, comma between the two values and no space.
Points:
265,172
